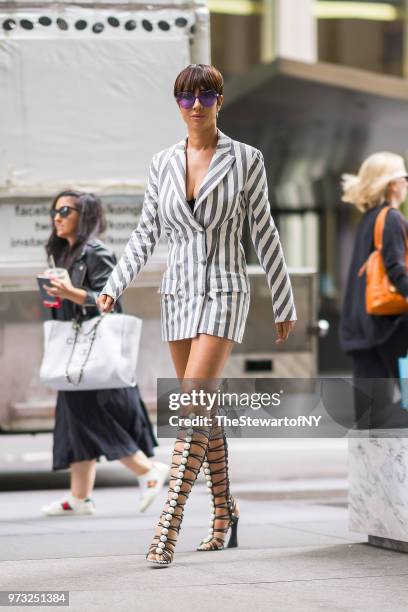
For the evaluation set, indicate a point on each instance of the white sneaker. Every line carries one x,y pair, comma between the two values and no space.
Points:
151,483
69,505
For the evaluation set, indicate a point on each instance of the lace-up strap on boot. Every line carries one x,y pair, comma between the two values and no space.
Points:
189,452
216,474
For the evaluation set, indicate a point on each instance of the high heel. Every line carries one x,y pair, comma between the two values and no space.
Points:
233,540
213,542
217,475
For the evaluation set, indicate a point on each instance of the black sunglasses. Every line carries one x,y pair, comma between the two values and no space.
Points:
63,212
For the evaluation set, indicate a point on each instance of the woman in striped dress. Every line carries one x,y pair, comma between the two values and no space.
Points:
199,192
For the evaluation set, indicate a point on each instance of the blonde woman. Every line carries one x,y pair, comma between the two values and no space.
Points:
375,342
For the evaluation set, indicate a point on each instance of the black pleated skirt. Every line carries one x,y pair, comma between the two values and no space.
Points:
109,422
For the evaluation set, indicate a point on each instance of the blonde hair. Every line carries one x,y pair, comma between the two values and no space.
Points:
368,189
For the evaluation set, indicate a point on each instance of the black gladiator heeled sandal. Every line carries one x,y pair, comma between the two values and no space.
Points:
191,450
217,477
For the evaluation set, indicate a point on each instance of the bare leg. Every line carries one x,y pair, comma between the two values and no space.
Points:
206,359
82,478
207,356
180,352
137,463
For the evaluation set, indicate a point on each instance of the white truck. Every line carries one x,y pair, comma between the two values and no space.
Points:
86,98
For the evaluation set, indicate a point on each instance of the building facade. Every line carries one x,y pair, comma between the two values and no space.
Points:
321,85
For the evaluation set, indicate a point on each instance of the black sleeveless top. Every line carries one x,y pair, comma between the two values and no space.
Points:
191,204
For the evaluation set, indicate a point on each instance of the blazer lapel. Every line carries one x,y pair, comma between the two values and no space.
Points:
178,173
178,179
220,164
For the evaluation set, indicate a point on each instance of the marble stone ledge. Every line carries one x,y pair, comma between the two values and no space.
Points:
378,487
388,544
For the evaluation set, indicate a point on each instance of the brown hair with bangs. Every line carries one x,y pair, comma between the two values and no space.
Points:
199,76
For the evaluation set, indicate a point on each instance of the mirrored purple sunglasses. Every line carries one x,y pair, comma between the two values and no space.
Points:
186,99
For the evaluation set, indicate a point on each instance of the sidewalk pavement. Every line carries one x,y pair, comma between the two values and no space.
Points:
296,552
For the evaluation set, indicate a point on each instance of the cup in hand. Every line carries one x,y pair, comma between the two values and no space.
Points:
43,279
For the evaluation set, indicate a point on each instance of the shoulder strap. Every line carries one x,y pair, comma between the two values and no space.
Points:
379,227
378,235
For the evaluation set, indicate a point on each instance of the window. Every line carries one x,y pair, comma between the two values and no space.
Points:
366,35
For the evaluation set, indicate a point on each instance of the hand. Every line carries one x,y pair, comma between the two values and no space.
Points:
60,288
283,329
105,303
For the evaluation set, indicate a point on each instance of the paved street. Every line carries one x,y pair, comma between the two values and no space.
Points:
274,460
295,548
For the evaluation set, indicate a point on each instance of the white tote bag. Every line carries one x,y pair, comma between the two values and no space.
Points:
100,353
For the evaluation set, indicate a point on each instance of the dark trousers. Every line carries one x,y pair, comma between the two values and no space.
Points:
375,376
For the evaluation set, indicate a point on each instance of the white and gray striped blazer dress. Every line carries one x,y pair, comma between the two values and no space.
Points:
205,288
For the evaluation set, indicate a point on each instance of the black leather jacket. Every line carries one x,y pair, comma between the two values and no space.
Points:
90,271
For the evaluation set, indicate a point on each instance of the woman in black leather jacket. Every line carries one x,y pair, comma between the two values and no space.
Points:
88,424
